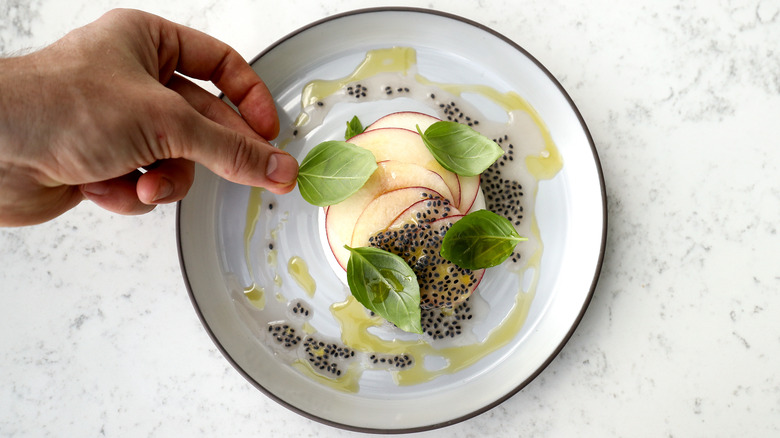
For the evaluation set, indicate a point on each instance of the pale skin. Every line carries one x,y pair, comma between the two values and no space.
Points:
79,118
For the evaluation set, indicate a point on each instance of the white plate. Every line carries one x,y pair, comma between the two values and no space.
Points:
570,209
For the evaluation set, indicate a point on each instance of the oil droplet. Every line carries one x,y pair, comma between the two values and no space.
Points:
272,257
379,291
256,295
308,328
253,209
547,164
299,271
390,277
348,382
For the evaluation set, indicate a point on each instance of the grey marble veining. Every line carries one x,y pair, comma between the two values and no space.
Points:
16,25
98,338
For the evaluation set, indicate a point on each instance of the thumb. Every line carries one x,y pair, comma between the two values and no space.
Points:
239,158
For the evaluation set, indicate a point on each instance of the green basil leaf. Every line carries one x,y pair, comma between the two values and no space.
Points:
479,240
354,127
384,283
459,148
333,171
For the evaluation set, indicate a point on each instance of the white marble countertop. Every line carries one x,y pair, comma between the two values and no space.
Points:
98,336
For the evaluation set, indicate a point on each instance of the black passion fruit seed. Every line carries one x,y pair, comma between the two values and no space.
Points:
448,322
391,361
442,283
284,335
299,309
327,358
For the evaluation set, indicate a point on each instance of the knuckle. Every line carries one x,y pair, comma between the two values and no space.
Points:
242,156
167,136
245,166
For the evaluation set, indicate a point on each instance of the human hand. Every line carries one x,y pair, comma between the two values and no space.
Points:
80,117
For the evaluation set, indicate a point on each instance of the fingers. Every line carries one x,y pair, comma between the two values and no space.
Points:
281,169
206,130
236,153
206,58
240,158
138,193
210,106
168,181
117,195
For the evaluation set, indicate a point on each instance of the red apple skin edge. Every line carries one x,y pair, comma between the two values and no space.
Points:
331,243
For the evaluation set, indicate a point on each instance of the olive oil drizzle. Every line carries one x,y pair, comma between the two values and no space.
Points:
253,211
544,165
394,60
256,295
353,319
299,271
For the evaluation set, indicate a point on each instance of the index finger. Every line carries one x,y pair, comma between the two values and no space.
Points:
198,55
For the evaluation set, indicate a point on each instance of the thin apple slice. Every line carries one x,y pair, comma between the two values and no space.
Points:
390,175
407,146
468,185
386,208
404,120
469,189
424,211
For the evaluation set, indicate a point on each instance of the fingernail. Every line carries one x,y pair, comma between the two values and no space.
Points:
281,168
96,188
164,190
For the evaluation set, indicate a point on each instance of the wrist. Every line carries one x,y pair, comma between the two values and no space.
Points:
22,128
28,195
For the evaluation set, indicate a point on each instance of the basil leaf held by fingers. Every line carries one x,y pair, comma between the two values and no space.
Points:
479,240
354,127
385,284
334,170
459,148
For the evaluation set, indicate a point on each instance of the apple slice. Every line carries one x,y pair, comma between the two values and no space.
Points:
404,120
469,185
386,208
407,146
424,211
390,175
469,190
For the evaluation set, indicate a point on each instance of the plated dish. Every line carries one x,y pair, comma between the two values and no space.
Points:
271,293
